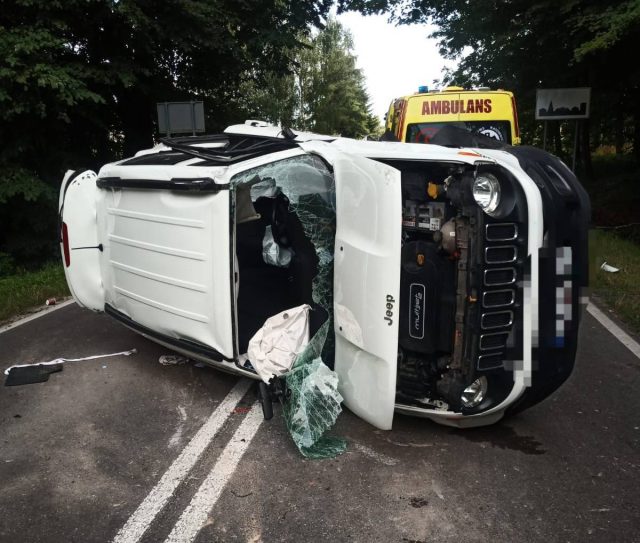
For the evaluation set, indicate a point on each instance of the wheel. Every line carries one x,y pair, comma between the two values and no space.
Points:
265,400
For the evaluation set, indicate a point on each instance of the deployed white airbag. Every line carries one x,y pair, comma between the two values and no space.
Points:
275,347
272,253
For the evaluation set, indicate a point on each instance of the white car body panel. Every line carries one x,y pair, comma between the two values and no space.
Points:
367,286
78,212
259,128
166,262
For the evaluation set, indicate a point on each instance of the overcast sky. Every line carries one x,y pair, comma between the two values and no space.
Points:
395,60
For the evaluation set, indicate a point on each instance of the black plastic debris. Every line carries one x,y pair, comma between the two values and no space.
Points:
26,375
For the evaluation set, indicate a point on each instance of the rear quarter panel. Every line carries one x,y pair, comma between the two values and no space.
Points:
78,211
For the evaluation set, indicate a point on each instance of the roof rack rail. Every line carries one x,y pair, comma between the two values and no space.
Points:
230,148
237,148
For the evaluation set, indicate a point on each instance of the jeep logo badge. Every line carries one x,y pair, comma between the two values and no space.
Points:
389,313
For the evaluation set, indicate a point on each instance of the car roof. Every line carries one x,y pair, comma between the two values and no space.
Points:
367,148
242,142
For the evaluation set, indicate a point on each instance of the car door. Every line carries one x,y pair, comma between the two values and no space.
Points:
366,283
150,246
79,242
167,262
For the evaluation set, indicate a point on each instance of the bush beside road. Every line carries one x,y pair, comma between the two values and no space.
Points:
25,290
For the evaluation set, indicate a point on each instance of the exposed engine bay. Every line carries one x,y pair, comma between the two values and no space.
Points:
438,229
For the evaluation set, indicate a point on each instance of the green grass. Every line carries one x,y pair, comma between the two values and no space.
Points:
620,291
23,291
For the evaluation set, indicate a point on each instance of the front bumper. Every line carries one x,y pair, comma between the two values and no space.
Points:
563,272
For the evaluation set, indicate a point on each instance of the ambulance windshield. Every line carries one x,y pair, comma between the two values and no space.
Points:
424,132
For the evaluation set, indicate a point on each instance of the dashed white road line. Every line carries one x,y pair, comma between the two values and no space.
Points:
617,332
197,512
44,311
147,511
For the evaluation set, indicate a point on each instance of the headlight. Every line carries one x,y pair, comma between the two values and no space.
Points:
486,192
473,395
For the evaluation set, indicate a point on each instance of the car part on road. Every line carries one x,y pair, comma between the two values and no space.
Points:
274,391
27,375
264,396
609,268
314,403
23,374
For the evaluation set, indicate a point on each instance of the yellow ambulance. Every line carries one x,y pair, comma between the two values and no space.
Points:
418,117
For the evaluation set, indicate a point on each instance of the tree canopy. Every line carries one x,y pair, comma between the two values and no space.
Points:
325,92
522,45
79,81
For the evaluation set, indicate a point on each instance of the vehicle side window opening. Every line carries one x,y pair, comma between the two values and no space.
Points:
294,199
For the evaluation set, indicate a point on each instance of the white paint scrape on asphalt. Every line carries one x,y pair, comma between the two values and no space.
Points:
617,332
197,512
144,515
375,455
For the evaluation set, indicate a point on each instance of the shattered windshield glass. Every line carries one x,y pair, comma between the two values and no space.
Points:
314,402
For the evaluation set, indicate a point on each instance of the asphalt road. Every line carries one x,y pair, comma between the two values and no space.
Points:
83,452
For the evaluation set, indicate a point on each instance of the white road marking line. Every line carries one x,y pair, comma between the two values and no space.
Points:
41,313
147,511
617,332
197,512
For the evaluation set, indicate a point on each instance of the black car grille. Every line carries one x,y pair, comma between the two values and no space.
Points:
503,250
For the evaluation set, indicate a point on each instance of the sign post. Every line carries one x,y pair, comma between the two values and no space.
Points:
180,117
562,104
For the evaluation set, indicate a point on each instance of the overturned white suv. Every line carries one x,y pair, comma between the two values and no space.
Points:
448,277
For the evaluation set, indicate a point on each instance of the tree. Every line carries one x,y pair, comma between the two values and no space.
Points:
324,92
79,81
338,100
